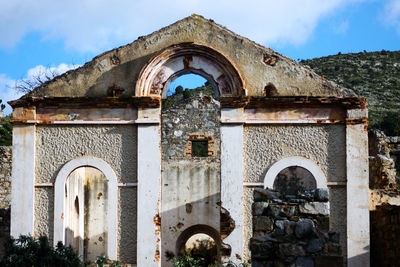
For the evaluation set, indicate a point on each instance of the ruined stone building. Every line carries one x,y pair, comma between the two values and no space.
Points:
105,160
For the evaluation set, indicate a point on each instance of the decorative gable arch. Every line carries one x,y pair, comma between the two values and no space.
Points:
189,58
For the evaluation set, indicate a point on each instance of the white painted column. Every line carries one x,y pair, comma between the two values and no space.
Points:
23,180
232,176
149,176
358,243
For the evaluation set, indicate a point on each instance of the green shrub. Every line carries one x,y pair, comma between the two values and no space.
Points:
31,252
186,261
5,132
102,260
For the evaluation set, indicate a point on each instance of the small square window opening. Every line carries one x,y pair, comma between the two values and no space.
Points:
199,148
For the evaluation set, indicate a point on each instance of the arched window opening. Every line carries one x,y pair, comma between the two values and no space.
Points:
294,179
310,170
201,242
86,228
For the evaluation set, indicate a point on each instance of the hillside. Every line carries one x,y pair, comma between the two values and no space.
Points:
375,75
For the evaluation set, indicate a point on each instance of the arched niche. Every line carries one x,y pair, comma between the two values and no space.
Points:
60,214
307,164
182,59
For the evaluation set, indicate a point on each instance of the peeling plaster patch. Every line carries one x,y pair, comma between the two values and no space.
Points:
270,60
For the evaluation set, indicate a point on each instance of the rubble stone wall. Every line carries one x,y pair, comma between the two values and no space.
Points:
5,194
384,157
293,230
385,235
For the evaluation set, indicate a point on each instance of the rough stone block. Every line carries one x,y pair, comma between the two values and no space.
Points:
263,223
321,194
304,262
265,194
315,208
289,249
305,228
285,226
261,251
259,208
315,245
281,211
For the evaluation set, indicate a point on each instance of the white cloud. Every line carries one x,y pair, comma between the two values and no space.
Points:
7,92
342,27
93,25
391,14
41,72
7,85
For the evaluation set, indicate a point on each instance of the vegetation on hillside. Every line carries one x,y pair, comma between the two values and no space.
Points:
375,75
5,128
182,95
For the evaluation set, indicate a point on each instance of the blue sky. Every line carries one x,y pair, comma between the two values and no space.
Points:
59,35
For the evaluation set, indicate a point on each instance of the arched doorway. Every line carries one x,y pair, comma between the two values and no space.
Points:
86,228
201,242
86,207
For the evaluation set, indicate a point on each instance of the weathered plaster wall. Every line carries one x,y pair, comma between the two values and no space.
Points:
323,144
57,145
44,212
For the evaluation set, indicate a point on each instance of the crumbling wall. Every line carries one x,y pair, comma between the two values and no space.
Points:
384,152
293,230
5,194
384,162
190,182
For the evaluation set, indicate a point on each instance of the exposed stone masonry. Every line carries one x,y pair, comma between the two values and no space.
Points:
384,152
5,194
293,230
191,119
5,176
